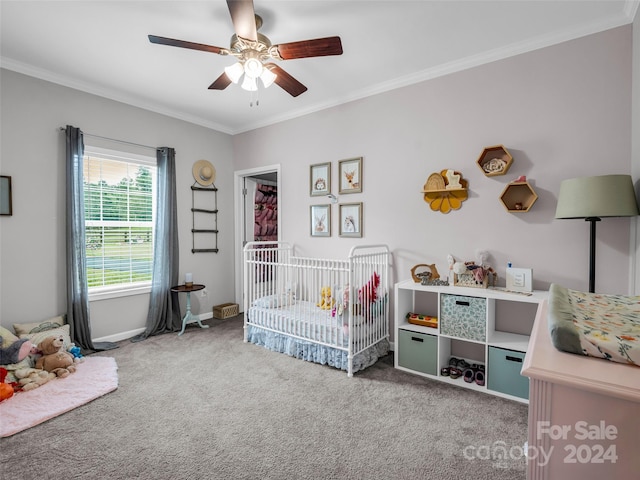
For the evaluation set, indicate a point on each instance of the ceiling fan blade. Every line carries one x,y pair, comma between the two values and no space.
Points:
292,86
243,17
319,47
222,82
183,44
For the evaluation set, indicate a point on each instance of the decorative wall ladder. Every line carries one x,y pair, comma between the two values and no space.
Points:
206,217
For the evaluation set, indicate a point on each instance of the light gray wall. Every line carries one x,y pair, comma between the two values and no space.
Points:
562,111
32,241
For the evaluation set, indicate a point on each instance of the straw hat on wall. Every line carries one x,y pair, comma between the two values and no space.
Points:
204,173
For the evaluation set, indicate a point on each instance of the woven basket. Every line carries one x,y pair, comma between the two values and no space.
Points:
468,280
225,310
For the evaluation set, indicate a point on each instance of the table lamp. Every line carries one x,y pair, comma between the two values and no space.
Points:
592,198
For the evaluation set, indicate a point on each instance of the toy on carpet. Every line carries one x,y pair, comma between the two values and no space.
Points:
16,352
75,351
326,300
6,389
54,359
30,378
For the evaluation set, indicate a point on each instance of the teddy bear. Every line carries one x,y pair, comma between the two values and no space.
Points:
30,378
326,300
54,358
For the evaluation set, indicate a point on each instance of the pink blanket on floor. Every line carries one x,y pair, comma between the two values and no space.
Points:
94,377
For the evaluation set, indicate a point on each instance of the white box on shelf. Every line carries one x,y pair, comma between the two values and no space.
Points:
519,279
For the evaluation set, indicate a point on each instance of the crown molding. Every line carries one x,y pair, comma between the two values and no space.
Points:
625,17
110,94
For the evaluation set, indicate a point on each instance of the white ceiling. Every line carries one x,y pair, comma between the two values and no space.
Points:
101,47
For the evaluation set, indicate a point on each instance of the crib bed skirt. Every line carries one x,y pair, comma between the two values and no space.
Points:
313,352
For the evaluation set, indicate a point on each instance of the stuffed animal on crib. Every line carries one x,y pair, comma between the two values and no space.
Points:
54,359
326,300
369,293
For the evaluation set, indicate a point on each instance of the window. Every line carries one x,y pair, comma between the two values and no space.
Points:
119,213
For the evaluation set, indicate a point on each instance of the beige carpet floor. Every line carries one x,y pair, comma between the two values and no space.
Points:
206,405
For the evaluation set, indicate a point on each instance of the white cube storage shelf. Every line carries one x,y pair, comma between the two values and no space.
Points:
483,326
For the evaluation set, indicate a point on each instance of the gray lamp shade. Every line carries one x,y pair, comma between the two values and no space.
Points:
602,196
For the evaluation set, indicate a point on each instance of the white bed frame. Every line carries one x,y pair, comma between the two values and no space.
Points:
281,293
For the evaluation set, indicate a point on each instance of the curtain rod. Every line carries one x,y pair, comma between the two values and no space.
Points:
64,129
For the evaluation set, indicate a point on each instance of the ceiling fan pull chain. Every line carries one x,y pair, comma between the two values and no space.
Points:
257,100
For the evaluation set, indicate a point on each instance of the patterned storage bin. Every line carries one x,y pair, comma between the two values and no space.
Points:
463,317
225,310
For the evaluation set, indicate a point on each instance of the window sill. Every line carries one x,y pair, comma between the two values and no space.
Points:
107,293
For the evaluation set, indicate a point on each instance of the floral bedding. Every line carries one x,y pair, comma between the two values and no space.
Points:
597,325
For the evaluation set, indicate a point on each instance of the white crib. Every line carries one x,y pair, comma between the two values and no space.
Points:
332,312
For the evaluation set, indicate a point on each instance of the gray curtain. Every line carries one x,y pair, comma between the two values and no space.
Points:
164,309
77,290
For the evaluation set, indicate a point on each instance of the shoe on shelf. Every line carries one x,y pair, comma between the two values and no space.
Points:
478,366
463,364
454,372
469,375
479,377
453,362
444,371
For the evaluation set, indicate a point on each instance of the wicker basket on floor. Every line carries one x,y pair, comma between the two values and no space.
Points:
225,310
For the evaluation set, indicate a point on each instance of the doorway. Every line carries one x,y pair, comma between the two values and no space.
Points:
245,183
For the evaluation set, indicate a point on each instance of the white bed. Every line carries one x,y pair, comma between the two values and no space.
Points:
332,312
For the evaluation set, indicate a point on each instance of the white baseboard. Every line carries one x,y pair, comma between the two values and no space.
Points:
205,316
117,337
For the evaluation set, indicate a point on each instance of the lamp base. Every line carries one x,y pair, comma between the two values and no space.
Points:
592,253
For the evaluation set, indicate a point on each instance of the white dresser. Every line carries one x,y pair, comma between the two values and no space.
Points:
584,413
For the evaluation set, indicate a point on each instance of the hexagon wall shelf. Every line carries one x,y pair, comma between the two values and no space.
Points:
494,160
518,197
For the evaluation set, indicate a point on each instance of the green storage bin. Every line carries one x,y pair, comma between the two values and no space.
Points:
418,351
503,372
463,317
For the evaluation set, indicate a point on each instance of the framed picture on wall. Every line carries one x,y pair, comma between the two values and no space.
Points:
351,219
320,179
320,220
350,172
5,196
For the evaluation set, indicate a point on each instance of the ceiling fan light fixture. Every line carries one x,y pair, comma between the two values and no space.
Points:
249,84
253,67
234,72
267,77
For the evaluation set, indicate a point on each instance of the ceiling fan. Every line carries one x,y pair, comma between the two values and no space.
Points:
254,52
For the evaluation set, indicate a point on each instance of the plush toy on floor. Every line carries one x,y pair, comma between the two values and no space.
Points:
30,378
75,351
6,390
54,359
16,352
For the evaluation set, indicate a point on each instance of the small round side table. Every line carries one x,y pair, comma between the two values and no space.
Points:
188,317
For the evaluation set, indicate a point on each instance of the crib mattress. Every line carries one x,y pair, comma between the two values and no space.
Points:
597,325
